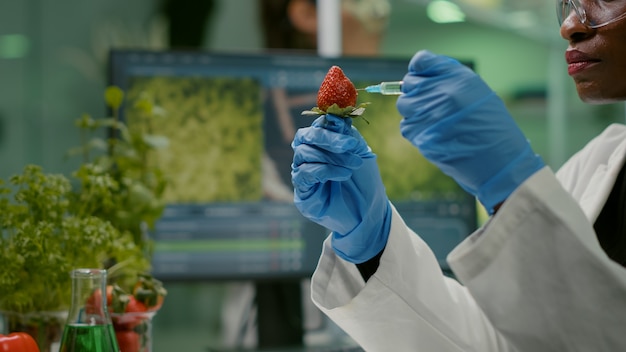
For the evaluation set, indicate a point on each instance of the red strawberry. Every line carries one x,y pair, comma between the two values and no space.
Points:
336,89
337,96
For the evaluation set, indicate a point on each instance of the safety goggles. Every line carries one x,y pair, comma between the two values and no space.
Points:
594,13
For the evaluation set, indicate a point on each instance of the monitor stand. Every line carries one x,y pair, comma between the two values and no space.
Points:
279,314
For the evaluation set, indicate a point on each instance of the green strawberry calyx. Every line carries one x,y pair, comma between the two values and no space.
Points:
348,111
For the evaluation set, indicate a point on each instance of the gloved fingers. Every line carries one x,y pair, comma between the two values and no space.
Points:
343,126
308,175
446,112
324,139
332,142
425,63
352,203
305,153
453,93
322,206
449,77
334,123
428,85
428,68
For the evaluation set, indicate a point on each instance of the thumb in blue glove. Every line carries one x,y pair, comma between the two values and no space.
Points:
337,185
460,124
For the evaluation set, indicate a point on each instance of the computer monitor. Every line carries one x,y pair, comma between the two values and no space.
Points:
230,119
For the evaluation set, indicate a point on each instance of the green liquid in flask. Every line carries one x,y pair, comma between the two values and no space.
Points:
88,338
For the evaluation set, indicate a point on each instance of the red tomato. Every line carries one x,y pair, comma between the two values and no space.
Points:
109,294
126,322
132,315
94,301
150,292
134,306
18,342
128,341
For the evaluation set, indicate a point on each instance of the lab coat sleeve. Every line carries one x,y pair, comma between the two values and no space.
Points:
407,305
538,273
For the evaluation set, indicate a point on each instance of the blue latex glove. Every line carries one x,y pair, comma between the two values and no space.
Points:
460,125
337,185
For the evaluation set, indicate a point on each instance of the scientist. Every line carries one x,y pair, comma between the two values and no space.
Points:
545,273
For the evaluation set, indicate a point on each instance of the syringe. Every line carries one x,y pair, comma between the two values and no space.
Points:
385,88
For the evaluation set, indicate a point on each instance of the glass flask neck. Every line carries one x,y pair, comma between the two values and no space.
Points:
89,298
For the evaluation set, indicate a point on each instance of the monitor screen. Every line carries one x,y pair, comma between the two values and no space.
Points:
230,119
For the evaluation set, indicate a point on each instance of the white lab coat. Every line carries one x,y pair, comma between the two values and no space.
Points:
534,277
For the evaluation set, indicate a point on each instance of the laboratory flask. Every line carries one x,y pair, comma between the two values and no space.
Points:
88,327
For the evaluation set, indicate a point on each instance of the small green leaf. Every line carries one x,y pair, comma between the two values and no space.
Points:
113,97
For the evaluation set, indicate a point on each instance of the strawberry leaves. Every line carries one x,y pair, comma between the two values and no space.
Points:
334,109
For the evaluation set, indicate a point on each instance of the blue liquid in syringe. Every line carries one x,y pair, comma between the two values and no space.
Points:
386,88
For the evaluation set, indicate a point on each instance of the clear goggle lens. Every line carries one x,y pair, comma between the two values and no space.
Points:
602,13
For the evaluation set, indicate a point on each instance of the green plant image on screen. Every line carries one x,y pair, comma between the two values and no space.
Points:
214,128
407,175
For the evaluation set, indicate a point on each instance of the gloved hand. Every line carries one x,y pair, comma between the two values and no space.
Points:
460,125
337,185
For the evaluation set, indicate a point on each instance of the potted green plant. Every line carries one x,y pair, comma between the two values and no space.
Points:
96,218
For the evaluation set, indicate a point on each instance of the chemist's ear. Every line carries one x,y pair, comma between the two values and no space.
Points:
303,15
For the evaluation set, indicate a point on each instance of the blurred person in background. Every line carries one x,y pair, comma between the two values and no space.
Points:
292,25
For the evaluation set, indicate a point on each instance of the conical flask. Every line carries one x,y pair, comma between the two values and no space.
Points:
88,327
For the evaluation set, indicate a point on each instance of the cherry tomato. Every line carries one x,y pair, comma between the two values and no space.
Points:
94,301
150,292
134,314
134,306
128,341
